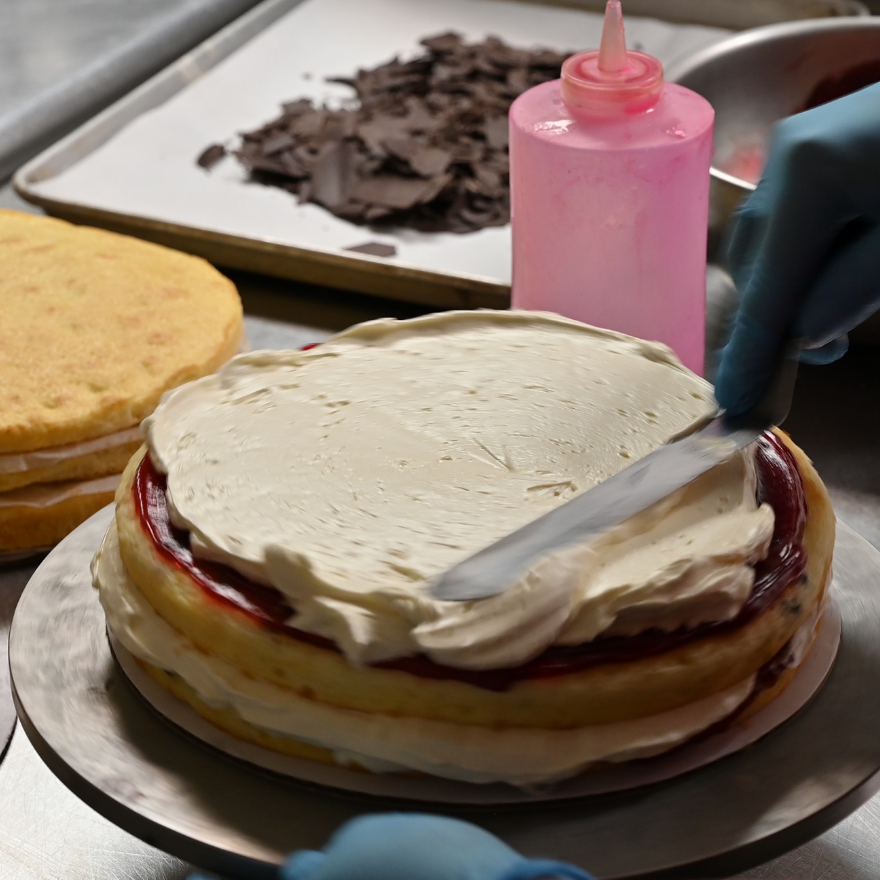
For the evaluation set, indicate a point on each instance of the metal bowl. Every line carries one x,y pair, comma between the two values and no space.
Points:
760,76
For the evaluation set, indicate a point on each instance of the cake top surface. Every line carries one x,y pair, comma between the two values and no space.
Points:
96,326
349,475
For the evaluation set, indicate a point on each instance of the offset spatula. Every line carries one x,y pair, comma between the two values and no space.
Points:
492,570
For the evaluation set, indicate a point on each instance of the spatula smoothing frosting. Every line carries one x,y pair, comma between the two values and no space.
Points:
349,475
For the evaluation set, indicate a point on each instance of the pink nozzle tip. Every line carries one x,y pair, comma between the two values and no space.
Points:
612,49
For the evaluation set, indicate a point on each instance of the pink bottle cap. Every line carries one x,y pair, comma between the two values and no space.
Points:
612,80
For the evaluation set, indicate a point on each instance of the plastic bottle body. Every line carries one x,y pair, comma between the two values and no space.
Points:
610,215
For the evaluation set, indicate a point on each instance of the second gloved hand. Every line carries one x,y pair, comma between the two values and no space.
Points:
805,254
414,846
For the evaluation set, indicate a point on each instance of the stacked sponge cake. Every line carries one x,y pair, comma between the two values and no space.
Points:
275,541
95,327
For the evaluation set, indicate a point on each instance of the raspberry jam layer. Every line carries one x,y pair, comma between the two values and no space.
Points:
780,485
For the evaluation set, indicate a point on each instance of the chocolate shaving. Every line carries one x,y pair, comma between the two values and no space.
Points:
333,174
430,161
426,147
277,144
211,156
374,249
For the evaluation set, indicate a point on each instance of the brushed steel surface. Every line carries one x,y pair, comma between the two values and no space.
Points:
64,60
99,738
736,14
48,833
45,41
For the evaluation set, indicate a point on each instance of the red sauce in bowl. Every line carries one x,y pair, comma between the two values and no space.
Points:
844,82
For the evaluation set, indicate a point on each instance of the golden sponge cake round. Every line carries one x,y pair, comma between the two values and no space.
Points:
96,326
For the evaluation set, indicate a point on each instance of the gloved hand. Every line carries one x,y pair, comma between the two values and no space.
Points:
414,846
805,253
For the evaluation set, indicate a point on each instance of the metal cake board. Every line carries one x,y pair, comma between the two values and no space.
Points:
101,740
12,579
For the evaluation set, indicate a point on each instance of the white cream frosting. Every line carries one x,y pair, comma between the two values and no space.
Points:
519,756
49,494
19,462
350,475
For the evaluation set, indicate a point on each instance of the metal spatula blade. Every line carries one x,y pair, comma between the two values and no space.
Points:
492,570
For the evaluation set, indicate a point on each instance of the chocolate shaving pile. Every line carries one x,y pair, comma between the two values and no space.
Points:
426,148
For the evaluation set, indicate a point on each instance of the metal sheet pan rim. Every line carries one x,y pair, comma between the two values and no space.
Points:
359,274
264,243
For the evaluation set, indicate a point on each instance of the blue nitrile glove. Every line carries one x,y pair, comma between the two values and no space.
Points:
805,253
415,846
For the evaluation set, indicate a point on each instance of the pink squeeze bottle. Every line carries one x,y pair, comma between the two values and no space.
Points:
609,180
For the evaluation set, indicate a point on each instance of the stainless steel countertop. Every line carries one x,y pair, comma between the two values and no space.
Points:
62,62
42,43
45,831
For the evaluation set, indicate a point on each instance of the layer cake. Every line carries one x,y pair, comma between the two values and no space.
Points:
275,539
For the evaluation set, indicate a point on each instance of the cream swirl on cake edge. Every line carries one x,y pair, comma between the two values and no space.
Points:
282,467
21,462
50,494
519,756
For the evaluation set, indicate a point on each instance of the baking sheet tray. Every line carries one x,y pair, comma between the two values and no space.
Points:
133,168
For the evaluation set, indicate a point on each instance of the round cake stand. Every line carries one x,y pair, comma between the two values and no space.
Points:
13,576
100,739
